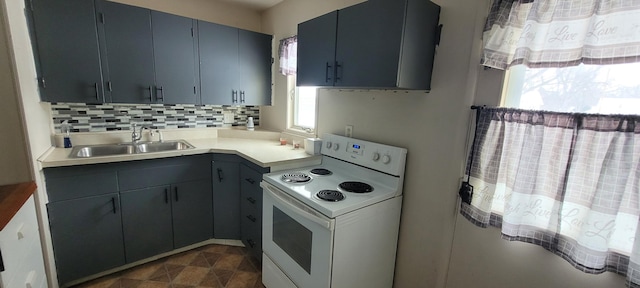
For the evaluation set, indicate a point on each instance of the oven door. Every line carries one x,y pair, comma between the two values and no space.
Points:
298,239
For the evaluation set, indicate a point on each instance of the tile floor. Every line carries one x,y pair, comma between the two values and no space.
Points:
218,266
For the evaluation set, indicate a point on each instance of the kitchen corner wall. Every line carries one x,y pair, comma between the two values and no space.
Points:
114,117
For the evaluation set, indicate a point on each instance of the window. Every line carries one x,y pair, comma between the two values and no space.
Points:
302,106
597,89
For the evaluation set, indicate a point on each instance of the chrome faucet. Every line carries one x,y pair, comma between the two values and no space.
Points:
137,135
151,132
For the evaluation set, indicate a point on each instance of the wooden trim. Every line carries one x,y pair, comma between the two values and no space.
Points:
12,197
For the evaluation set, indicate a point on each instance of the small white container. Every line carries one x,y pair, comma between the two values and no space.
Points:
250,124
312,146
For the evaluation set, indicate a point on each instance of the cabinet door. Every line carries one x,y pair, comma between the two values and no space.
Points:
226,200
175,59
146,222
254,65
365,43
67,44
316,51
129,50
251,209
218,47
86,235
192,212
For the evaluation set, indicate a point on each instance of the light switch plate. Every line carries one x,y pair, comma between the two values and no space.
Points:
228,118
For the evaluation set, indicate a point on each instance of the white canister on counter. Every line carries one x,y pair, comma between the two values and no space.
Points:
312,146
250,124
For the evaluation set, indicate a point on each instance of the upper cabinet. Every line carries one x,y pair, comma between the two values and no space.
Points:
235,65
101,51
67,46
150,55
378,44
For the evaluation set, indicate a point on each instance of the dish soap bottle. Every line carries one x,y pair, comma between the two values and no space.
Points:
250,124
65,128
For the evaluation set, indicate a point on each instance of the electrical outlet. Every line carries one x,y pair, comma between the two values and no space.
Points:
348,131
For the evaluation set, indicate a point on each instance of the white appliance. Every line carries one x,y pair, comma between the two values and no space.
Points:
335,224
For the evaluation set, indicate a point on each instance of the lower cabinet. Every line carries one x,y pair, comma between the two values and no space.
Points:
86,235
251,207
103,216
159,219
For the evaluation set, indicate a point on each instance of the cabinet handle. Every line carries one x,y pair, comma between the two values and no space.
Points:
95,85
251,243
250,199
242,96
109,86
252,218
113,205
175,192
166,195
234,96
150,93
326,73
220,175
161,97
338,67
250,180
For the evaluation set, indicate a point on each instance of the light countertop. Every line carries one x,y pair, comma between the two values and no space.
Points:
262,148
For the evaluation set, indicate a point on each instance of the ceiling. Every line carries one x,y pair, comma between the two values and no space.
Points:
254,4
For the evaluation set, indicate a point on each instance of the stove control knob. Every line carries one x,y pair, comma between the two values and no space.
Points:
336,146
328,144
386,159
376,156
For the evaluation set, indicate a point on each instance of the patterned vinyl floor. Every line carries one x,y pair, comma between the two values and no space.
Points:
218,266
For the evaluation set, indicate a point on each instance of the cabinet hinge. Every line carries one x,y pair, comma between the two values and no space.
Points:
272,60
43,83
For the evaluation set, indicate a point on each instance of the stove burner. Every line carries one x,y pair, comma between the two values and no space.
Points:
356,187
321,171
296,177
330,195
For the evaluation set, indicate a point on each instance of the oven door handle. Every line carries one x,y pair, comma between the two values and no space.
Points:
298,207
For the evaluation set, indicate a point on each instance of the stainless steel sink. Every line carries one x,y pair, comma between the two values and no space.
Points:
128,148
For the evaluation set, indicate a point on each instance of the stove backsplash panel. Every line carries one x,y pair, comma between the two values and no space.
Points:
115,117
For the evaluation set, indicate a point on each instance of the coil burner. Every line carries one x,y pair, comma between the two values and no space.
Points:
330,195
296,177
355,187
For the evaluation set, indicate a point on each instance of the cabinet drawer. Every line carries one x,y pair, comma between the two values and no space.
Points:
78,186
17,240
162,175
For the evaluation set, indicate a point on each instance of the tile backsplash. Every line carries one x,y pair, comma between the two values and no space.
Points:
115,117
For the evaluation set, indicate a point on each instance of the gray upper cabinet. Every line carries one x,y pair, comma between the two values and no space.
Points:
175,55
129,51
67,48
316,51
218,47
254,65
235,65
379,44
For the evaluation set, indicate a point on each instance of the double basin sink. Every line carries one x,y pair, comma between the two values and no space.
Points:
89,151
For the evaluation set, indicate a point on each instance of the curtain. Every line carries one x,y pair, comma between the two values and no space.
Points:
561,33
288,55
567,182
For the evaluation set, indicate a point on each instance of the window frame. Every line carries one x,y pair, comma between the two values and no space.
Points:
292,93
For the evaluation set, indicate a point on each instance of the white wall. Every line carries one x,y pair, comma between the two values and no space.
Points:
14,164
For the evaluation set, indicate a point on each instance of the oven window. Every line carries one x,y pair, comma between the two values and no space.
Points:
293,238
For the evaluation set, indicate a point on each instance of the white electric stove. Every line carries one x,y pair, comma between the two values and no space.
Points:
334,224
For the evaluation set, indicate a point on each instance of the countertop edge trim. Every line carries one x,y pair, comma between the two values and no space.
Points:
16,196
